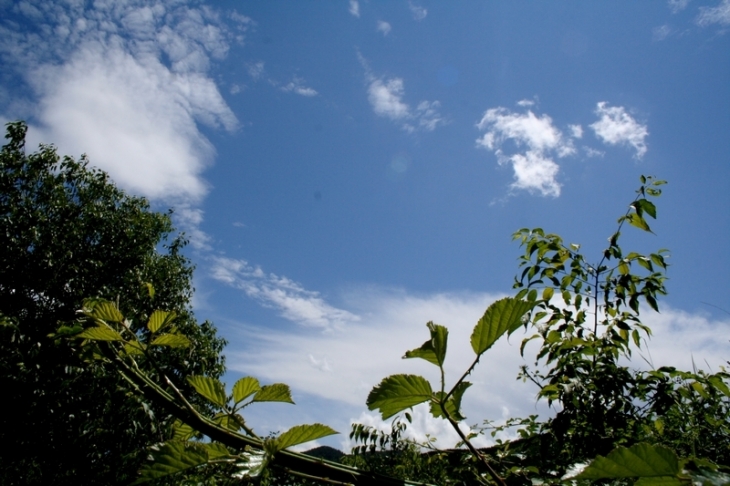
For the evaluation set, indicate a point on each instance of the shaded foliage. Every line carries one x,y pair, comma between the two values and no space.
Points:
68,233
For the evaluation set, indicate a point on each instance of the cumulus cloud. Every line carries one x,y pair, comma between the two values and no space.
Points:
383,27
386,98
293,302
127,84
537,140
297,86
354,8
715,15
617,127
419,13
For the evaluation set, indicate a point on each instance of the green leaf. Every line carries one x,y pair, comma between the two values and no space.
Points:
159,319
107,312
134,347
276,392
645,206
397,393
433,350
171,340
299,434
453,404
502,316
216,450
170,458
244,388
182,431
100,334
641,460
636,220
547,293
210,388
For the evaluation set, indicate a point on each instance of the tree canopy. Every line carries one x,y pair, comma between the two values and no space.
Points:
68,233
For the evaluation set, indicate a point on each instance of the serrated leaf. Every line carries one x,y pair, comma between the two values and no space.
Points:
210,388
276,392
397,393
453,404
160,319
107,311
433,350
216,450
638,461
100,334
170,458
244,388
502,316
300,434
181,431
171,340
134,348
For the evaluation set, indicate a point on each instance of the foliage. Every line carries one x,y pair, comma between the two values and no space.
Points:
587,322
68,233
108,338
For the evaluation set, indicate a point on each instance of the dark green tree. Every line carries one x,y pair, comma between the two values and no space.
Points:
68,233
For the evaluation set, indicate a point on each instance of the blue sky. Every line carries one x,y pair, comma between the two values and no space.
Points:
348,171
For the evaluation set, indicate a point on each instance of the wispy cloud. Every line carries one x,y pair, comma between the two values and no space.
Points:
537,140
297,86
342,366
617,127
132,102
660,33
383,27
419,13
715,15
677,5
354,8
293,301
386,98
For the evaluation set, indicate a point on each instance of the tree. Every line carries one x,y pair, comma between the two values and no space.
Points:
68,233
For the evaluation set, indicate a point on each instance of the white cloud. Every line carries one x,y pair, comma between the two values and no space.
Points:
345,364
354,8
715,15
386,98
537,139
296,85
419,13
286,296
255,70
128,84
576,131
617,127
660,33
383,27
677,5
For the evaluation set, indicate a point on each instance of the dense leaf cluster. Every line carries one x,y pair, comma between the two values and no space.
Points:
67,233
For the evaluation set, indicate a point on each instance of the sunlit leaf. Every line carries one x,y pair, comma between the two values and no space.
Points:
159,319
216,450
210,388
640,460
299,434
276,392
503,316
134,348
433,350
453,404
107,311
171,340
170,458
101,333
244,388
397,393
638,221
182,431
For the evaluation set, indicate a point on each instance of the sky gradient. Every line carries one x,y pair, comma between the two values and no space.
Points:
348,171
